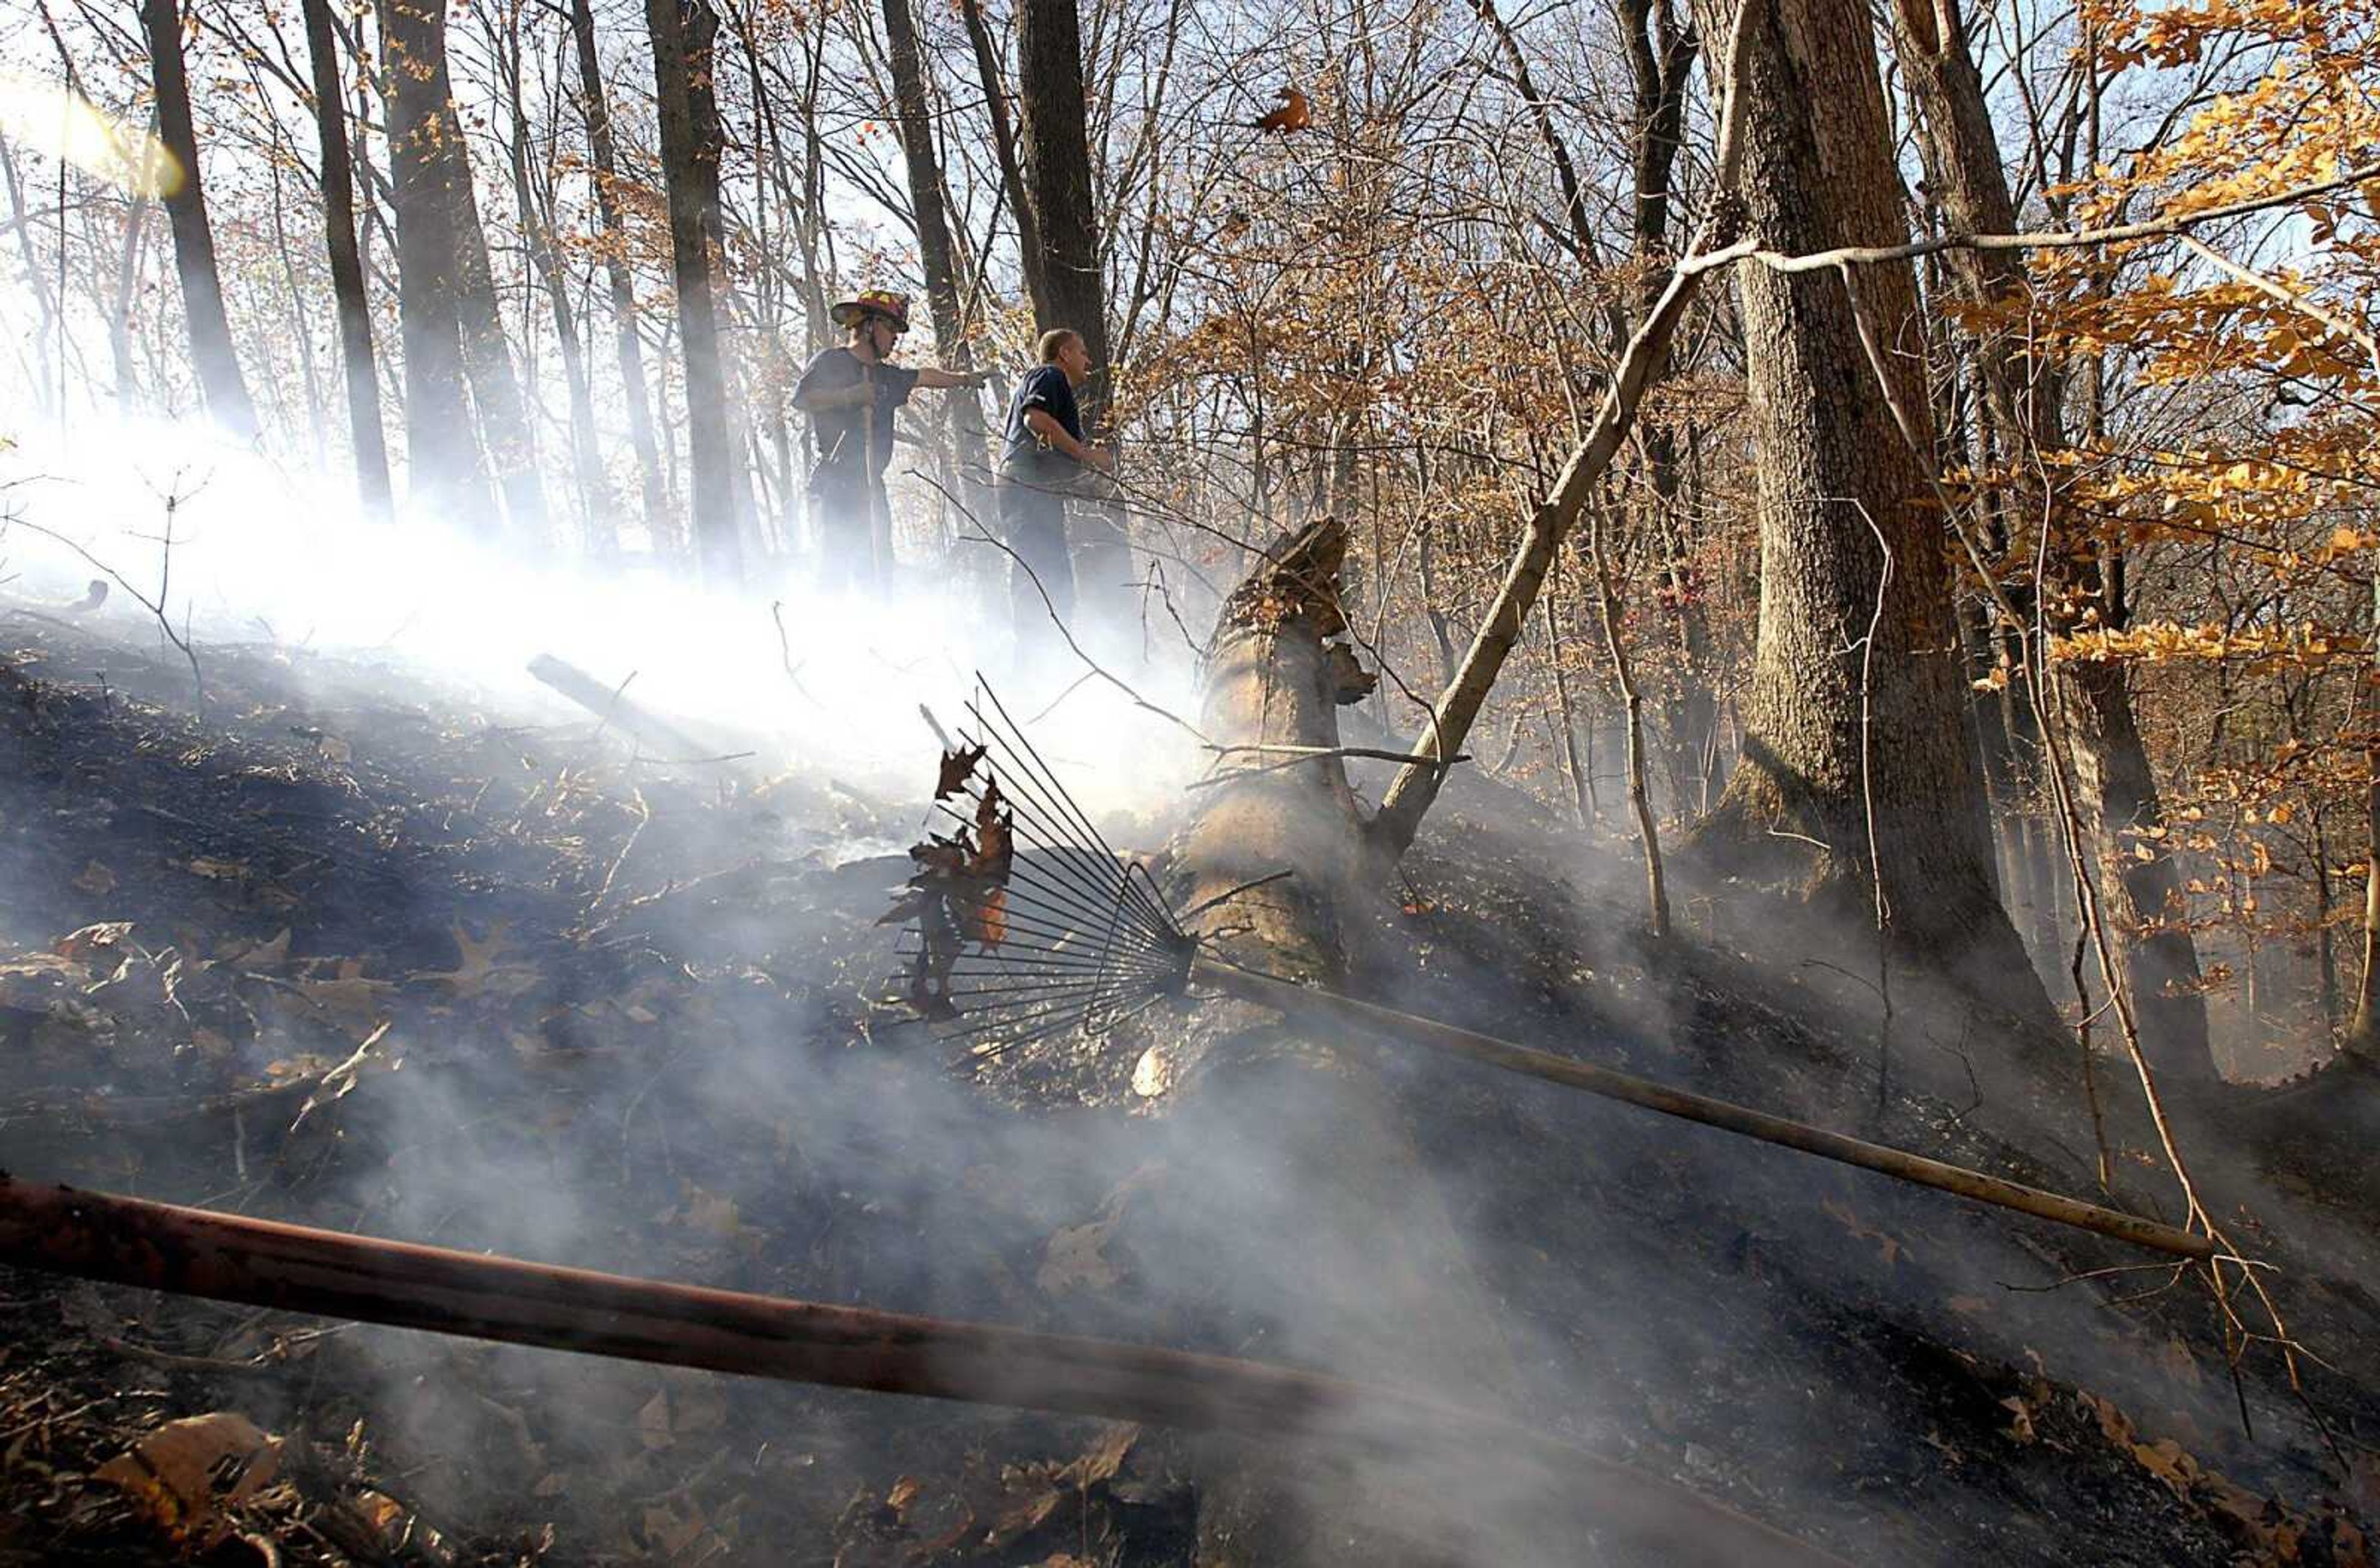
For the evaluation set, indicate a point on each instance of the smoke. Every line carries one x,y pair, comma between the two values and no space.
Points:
1707,1310
262,550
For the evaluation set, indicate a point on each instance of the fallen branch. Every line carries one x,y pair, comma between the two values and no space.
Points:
294,1268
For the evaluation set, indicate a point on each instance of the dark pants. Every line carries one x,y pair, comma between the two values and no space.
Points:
845,510
1033,519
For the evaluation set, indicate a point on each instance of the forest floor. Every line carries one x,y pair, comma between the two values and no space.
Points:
355,948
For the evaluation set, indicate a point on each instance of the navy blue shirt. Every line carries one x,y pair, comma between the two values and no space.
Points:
1045,388
843,433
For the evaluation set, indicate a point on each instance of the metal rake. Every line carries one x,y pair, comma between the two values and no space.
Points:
1022,922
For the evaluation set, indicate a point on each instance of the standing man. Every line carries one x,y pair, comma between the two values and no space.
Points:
1044,459
850,394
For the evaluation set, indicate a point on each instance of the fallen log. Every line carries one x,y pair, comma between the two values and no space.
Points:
232,1258
618,710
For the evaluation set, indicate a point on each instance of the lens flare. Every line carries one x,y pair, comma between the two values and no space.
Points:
61,123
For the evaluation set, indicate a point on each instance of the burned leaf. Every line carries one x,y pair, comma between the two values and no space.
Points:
90,943
957,768
984,921
188,1475
1891,1250
940,857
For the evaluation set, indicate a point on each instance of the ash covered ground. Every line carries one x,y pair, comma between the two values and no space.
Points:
363,947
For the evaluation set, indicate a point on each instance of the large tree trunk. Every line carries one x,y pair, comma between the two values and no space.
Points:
211,353
357,357
1837,742
444,475
936,256
1056,154
2025,400
682,33
628,345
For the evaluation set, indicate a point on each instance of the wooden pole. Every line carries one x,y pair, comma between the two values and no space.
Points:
1733,1118
134,1241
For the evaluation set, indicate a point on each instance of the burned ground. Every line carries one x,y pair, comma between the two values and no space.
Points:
627,1026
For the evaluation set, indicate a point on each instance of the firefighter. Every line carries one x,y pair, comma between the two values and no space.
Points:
1043,458
850,394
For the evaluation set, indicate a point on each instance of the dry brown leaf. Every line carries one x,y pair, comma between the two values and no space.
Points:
218,870
478,969
1294,112
91,941
1843,1215
265,954
188,1474
2020,1427
1074,1259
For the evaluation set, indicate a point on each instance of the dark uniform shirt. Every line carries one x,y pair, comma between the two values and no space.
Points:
1046,388
843,433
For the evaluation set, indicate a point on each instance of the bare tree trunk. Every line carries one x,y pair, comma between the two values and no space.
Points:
443,467
496,391
211,352
601,535
1843,782
357,357
682,33
1648,834
1029,254
2025,400
629,346
936,256
1056,155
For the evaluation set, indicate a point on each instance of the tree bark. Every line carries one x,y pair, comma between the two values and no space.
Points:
629,346
357,357
216,361
1842,781
682,33
444,474
936,256
1056,155
505,424
600,537
2024,399
1319,1119
1029,253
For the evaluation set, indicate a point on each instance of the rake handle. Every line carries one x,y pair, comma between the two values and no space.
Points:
1250,985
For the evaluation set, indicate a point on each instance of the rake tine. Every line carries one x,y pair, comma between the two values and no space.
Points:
1023,753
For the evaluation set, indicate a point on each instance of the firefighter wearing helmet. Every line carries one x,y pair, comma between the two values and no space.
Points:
850,393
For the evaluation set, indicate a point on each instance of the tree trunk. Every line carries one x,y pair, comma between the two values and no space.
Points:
357,357
1326,1274
444,475
1056,155
969,443
2025,402
660,527
220,382
505,424
682,33
1030,257
600,537
1054,148
1840,492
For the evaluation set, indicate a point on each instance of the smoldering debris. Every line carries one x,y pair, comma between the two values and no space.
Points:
501,985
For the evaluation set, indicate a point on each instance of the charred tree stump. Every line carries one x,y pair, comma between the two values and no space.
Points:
1338,1250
